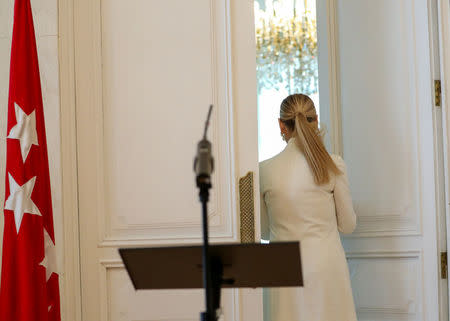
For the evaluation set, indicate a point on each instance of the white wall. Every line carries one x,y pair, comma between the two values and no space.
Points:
45,13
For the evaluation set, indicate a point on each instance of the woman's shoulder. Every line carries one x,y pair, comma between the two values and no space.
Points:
269,166
265,165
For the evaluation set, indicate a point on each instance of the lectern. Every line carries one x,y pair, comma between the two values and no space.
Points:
213,266
248,265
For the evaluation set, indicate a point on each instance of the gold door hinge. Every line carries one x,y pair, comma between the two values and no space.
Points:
437,92
443,265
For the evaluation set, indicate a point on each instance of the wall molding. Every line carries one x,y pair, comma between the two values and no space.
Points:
111,231
385,225
71,279
109,264
384,254
385,311
163,240
333,73
104,266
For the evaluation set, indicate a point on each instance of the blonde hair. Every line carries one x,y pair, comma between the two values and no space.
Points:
298,113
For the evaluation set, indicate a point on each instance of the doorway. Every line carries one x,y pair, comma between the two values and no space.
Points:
286,63
376,70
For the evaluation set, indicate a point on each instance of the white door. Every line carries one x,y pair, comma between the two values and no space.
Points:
376,74
146,72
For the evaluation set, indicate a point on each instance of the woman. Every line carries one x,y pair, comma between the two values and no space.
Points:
305,196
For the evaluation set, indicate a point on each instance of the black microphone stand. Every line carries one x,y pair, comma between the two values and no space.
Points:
212,267
210,278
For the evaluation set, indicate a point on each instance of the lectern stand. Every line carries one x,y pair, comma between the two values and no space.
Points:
213,266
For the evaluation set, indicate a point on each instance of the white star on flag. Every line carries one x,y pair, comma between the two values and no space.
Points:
19,200
49,260
24,131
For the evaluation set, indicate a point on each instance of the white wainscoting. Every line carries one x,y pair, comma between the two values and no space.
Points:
387,284
120,302
146,72
148,105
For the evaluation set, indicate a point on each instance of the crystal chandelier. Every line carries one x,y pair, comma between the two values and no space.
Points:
286,47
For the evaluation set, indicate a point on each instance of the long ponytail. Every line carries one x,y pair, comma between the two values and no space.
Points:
299,114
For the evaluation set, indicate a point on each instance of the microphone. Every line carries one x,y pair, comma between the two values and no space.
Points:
204,162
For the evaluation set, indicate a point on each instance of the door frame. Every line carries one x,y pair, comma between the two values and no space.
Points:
245,105
70,281
443,10
441,172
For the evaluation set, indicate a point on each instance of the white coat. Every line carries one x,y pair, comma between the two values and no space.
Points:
293,207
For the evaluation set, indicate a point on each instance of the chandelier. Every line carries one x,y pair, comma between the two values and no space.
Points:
286,47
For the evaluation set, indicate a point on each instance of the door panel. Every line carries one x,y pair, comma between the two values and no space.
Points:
375,64
146,72
381,103
157,82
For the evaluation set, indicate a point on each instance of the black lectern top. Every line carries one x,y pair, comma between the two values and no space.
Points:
244,265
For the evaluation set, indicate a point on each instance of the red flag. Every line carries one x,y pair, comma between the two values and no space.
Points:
29,281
